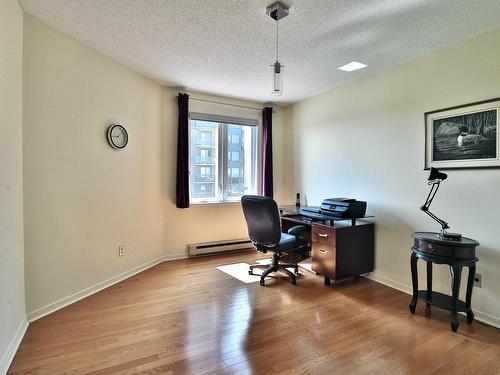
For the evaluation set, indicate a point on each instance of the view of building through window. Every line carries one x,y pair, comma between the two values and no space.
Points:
222,161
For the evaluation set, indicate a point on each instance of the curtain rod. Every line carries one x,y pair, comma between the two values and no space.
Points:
222,103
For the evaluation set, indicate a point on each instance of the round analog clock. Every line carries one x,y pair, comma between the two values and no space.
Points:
117,136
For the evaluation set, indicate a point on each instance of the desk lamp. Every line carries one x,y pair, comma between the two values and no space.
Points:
435,179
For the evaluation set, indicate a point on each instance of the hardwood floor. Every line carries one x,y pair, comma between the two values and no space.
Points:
186,317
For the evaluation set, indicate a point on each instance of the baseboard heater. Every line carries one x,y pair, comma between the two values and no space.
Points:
218,247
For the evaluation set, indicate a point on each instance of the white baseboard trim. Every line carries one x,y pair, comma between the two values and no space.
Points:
376,276
13,346
408,289
63,302
487,319
169,258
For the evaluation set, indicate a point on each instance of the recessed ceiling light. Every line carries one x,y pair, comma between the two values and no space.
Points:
352,66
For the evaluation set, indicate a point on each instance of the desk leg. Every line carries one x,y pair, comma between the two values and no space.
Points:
457,274
429,283
414,279
468,297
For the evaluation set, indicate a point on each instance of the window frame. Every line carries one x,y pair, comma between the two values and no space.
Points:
221,178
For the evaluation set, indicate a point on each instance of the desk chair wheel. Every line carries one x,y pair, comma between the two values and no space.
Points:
262,282
250,272
294,281
296,271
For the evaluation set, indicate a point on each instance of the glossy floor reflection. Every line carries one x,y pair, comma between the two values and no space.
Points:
186,317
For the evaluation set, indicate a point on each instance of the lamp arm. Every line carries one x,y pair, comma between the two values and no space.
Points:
430,196
428,202
444,224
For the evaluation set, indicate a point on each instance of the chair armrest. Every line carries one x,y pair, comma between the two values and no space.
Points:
297,230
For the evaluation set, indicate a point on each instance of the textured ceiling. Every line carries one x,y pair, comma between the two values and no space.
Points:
226,46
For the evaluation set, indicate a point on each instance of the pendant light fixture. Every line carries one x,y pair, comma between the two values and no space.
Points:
277,11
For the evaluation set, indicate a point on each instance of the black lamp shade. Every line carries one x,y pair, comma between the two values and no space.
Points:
436,175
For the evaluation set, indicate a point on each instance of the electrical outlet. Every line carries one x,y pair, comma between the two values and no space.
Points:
478,278
121,251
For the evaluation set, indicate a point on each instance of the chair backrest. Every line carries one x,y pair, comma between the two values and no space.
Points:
263,220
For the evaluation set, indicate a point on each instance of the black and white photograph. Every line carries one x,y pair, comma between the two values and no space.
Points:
463,137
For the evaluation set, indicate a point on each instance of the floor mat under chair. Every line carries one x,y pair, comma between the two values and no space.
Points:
240,270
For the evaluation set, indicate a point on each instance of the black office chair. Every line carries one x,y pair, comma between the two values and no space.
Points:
263,222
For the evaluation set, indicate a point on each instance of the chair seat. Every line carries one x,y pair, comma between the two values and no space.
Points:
287,242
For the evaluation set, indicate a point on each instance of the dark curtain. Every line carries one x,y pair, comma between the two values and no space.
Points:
267,152
182,188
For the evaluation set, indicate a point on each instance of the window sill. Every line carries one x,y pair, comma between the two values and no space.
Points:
236,203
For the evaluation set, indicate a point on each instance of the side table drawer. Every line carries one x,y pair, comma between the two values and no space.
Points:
461,252
433,248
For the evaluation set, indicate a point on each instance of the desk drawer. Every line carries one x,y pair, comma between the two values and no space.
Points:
323,259
322,235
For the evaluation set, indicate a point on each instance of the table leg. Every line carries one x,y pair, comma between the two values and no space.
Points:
468,297
429,283
414,279
457,273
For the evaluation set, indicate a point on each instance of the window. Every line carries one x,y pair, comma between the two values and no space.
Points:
233,155
223,158
234,172
205,171
235,138
205,137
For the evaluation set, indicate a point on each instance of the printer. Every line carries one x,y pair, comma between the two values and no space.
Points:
343,207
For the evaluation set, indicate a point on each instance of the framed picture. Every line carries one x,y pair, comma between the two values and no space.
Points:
464,136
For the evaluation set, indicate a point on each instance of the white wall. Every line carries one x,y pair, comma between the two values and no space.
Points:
12,312
366,140
83,199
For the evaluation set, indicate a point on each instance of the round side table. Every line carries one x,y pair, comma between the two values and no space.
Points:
429,247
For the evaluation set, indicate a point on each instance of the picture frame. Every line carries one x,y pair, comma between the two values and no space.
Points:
464,136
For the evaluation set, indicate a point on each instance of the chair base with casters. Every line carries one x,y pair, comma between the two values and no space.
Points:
276,266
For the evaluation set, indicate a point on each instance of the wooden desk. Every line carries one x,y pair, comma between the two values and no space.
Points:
340,247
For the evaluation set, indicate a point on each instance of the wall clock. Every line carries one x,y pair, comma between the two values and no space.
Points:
117,136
